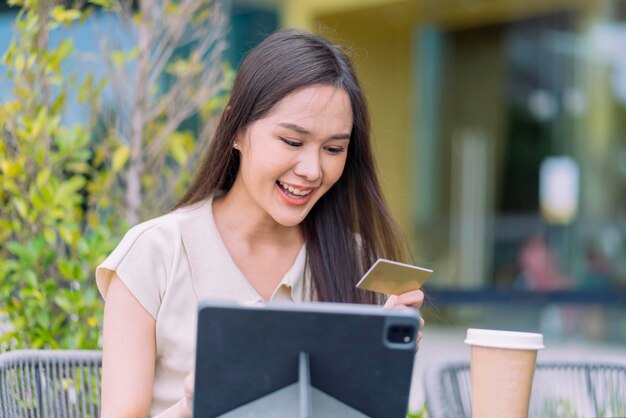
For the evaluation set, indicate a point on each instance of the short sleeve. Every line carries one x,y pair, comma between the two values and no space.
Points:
143,261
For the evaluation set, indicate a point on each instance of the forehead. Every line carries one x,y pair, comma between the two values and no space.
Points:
315,107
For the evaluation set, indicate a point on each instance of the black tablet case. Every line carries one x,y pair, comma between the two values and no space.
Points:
245,353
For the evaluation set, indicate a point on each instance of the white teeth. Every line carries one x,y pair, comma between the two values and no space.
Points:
295,191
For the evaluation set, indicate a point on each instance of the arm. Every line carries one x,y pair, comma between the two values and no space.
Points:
129,356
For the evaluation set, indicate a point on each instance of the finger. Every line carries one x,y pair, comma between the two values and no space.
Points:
189,383
413,299
391,302
189,389
422,323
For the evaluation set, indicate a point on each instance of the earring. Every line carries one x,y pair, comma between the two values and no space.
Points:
235,145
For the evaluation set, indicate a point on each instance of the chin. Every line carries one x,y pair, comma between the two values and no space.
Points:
289,216
290,219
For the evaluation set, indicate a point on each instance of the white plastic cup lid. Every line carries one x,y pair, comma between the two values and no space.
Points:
504,339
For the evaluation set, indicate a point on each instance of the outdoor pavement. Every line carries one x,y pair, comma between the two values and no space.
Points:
442,344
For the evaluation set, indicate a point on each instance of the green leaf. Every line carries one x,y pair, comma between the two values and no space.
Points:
65,49
21,207
65,268
78,167
212,105
30,278
68,234
63,15
119,58
64,303
19,251
50,236
120,157
19,63
12,168
47,193
30,61
43,320
43,177
85,89
91,296
9,338
83,247
59,103
179,152
36,200
183,67
37,343
66,193
39,123
83,155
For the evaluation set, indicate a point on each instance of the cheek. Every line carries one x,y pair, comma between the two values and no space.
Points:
261,168
334,169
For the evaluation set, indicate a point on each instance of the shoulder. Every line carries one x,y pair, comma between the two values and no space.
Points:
148,251
167,228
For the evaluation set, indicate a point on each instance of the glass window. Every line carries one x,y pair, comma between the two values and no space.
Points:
522,141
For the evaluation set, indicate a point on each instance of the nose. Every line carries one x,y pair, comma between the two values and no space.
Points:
309,166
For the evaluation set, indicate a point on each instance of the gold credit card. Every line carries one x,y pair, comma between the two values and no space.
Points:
393,278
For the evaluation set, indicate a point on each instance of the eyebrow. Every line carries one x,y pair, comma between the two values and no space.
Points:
299,129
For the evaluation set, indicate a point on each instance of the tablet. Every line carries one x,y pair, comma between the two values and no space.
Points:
251,358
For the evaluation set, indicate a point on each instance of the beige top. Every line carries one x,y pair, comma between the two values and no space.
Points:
169,264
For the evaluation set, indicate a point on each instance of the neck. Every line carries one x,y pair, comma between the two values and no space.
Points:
241,216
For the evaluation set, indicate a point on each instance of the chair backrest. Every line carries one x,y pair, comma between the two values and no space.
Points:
559,389
50,384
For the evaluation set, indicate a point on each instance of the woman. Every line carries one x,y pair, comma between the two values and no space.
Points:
286,206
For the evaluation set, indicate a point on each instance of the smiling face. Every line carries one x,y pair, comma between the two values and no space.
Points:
294,155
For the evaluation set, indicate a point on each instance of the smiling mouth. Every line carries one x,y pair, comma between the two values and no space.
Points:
293,192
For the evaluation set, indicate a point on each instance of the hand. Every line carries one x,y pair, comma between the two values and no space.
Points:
184,407
187,401
412,299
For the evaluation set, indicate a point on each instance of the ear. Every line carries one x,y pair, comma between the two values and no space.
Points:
240,139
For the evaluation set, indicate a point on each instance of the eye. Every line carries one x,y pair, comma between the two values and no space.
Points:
335,150
291,142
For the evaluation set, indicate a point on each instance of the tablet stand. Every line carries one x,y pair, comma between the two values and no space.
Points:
304,381
297,400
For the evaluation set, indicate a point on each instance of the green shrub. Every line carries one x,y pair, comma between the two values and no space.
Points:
52,229
68,193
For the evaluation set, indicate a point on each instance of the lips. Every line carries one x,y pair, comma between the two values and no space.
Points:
294,195
297,191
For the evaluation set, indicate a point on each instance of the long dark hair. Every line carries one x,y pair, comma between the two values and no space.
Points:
350,226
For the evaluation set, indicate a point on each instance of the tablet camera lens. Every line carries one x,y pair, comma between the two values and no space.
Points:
400,334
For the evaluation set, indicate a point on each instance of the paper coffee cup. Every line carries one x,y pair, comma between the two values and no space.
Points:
502,369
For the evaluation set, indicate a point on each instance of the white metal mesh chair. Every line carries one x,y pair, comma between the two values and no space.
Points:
50,384
560,389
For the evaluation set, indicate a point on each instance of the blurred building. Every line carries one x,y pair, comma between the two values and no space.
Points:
498,124
500,132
